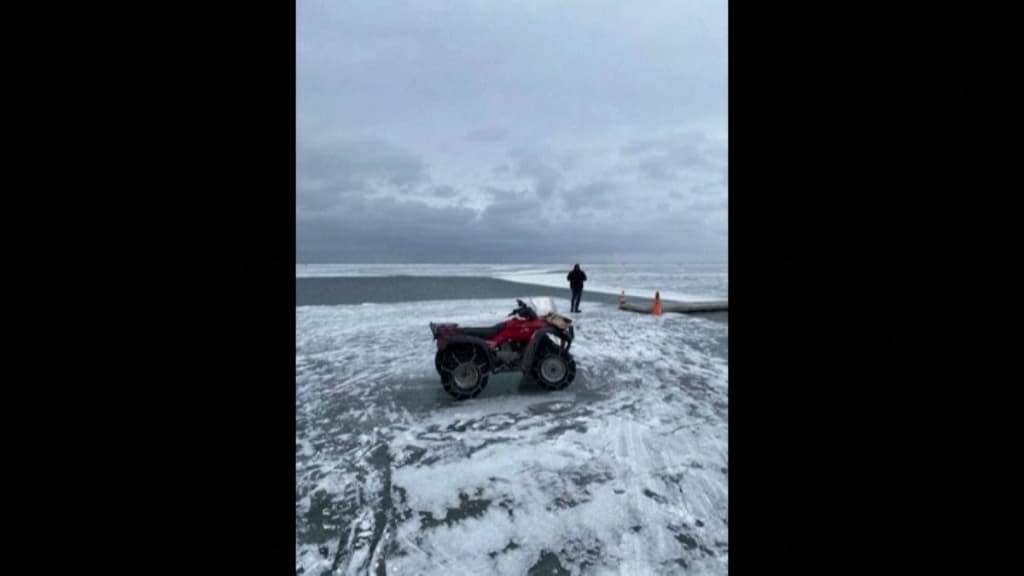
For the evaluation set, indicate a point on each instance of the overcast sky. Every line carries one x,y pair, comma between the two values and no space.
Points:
528,131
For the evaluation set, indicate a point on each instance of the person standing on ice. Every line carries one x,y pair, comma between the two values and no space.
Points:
576,279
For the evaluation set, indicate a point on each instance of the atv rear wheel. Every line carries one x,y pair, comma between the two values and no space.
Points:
464,371
554,369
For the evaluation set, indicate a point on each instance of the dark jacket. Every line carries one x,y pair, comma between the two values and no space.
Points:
576,279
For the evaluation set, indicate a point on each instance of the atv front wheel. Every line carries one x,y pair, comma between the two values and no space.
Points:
463,371
554,369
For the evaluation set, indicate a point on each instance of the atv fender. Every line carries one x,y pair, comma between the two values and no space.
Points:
538,337
473,341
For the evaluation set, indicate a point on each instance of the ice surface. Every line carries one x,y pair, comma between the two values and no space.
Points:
675,282
487,270
625,471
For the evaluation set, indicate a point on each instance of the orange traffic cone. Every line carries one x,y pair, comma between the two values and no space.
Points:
657,304
622,298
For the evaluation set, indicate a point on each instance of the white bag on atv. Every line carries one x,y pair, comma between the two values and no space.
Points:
545,308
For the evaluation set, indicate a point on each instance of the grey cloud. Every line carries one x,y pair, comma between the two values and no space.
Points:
495,193
516,229
585,110
388,229
709,189
541,173
443,192
590,197
709,205
658,170
382,230
514,213
487,135
566,64
332,174
666,159
503,169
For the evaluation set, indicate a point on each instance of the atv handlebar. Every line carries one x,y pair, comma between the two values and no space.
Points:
523,311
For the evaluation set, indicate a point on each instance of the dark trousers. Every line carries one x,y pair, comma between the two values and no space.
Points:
576,294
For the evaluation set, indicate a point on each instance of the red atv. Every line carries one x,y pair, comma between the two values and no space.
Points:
536,345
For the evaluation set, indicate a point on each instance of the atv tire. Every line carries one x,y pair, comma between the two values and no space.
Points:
554,369
464,371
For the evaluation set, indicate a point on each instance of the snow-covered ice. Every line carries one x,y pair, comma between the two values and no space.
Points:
674,281
625,471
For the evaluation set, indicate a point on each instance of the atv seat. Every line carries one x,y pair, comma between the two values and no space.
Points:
485,332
